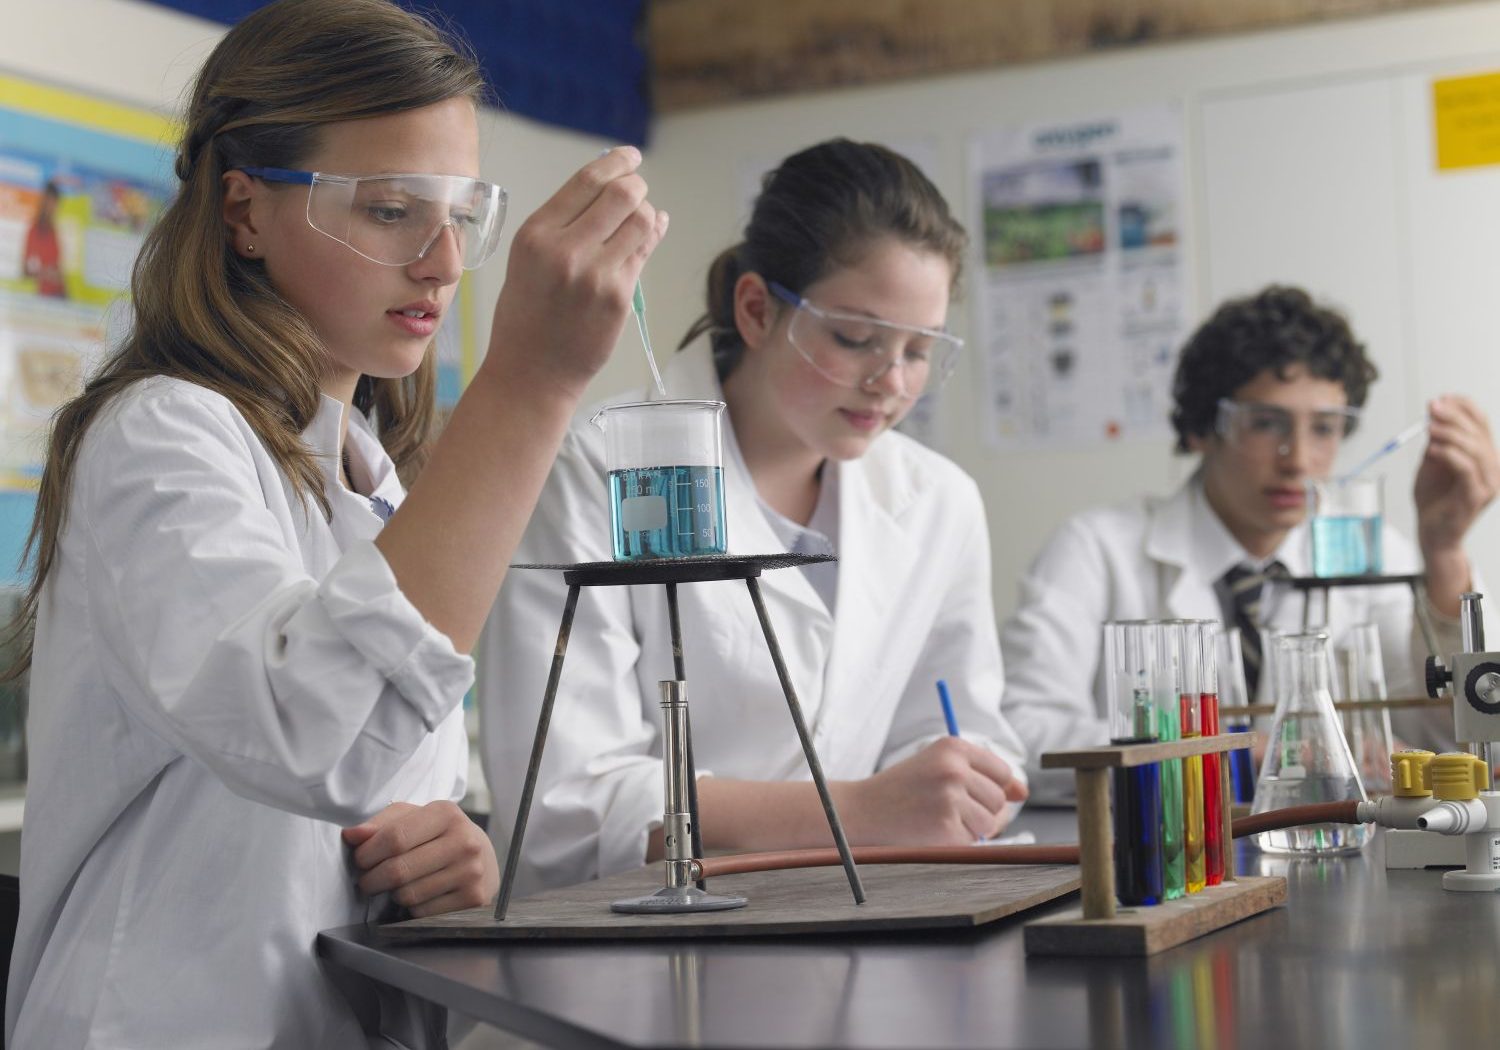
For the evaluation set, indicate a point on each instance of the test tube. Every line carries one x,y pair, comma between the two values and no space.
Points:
1166,642
1208,722
1233,694
1192,766
1129,658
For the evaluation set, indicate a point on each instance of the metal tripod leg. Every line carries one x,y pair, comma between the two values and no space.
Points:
813,764
518,832
1424,621
679,667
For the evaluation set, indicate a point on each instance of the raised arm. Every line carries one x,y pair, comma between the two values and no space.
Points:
570,277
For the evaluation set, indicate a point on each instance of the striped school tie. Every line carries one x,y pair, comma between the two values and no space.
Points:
1245,586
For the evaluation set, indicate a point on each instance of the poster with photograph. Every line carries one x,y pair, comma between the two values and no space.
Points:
1080,305
81,181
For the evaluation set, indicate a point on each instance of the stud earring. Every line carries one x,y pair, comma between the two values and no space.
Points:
249,249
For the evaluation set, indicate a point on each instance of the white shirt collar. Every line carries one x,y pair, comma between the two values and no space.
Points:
1213,550
371,469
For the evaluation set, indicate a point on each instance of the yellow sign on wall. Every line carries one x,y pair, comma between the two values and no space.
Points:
1466,121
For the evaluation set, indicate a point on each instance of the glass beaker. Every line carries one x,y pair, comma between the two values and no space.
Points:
1307,759
1368,731
1346,520
666,478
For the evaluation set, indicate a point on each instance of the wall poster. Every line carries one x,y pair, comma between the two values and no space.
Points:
1081,299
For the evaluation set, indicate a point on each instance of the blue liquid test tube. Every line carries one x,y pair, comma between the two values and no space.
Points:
1241,771
1137,800
1229,655
1138,823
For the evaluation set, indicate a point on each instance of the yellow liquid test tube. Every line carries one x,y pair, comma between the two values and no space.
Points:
1190,688
1192,808
1192,801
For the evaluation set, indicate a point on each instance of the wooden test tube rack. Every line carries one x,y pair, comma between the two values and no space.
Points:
1098,928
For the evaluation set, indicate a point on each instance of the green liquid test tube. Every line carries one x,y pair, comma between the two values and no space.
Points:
1174,871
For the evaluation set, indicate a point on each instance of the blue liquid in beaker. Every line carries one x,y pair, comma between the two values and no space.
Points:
1346,546
667,512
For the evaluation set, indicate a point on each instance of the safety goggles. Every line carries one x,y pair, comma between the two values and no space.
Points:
394,220
1250,424
856,351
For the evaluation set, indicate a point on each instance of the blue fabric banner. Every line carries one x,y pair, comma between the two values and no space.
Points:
578,64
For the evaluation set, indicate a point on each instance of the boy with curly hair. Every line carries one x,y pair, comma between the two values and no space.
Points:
1265,393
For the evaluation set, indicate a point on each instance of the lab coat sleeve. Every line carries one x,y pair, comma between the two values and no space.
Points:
304,694
962,649
600,787
1051,648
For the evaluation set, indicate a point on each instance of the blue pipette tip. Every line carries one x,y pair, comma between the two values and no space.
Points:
947,702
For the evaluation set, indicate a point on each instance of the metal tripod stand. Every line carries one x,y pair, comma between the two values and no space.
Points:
682,838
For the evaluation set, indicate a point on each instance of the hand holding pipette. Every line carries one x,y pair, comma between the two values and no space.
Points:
1384,450
638,305
1458,478
559,315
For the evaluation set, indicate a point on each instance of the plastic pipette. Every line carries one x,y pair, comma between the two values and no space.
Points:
1384,450
639,302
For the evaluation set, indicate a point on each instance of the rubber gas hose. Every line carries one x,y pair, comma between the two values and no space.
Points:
711,867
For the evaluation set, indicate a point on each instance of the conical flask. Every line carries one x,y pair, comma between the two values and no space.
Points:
1307,758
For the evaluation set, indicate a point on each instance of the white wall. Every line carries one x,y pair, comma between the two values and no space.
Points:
1309,162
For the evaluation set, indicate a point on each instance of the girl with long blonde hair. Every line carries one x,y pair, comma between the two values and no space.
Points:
246,682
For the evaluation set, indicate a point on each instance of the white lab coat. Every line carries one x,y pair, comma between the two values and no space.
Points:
221,680
913,603
1143,559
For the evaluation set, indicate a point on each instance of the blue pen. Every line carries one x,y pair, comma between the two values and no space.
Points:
947,702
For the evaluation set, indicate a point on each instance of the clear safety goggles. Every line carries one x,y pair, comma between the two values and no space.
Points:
1250,424
857,351
395,219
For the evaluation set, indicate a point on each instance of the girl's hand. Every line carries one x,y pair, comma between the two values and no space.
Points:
431,858
572,273
950,793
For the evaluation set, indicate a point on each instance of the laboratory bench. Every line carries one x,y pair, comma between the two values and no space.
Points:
1359,956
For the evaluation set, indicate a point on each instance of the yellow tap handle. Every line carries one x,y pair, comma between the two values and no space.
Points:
1411,775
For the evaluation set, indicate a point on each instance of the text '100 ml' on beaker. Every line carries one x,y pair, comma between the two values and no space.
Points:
664,461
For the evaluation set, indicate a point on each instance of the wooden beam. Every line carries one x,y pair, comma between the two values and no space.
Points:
708,52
